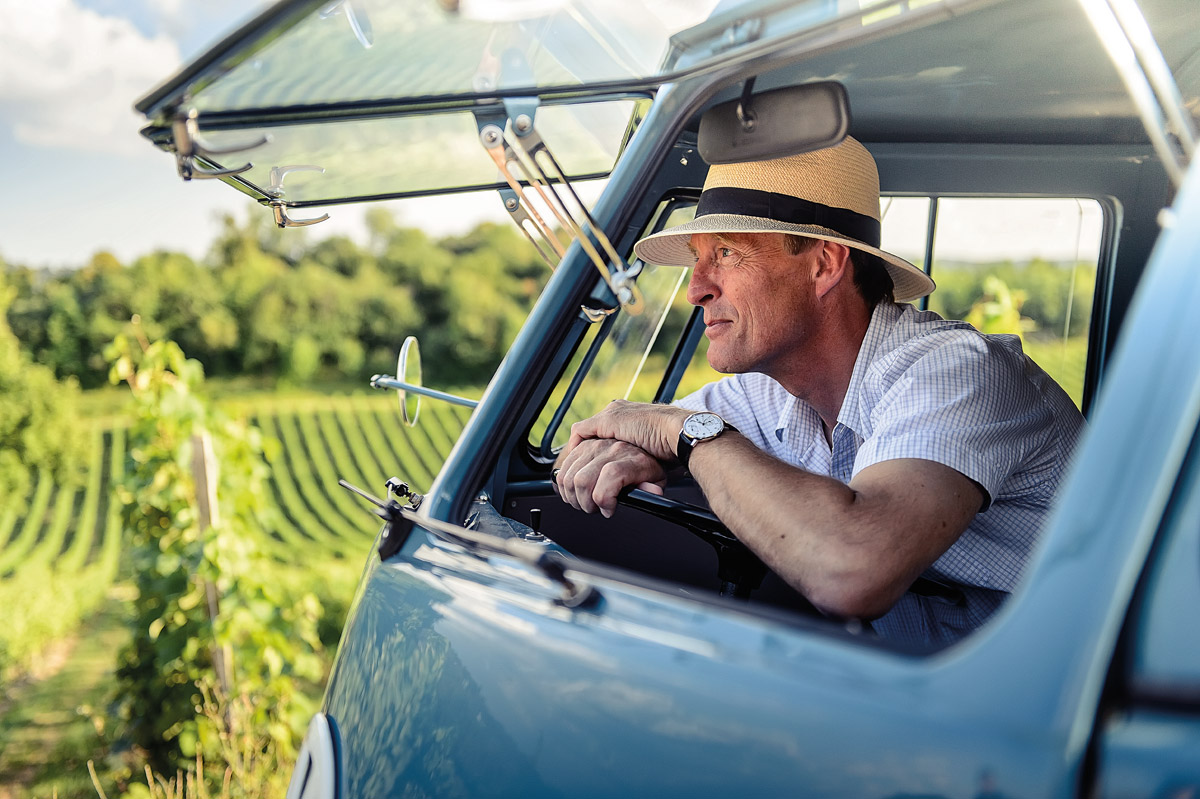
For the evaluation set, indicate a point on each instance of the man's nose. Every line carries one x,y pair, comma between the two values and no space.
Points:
700,289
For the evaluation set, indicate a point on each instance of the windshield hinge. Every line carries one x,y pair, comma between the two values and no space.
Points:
275,190
185,132
279,210
535,178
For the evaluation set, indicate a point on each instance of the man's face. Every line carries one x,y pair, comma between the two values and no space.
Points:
757,299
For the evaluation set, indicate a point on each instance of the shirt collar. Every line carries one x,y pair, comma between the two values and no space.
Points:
807,431
883,320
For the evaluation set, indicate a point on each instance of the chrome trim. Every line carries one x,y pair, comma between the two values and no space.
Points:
279,210
387,381
315,774
1139,62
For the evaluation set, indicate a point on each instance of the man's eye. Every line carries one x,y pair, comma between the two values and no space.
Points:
724,252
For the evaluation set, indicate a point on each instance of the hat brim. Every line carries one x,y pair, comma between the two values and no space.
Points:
670,247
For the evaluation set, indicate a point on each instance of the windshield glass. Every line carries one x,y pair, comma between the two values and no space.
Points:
363,50
400,156
374,99
623,356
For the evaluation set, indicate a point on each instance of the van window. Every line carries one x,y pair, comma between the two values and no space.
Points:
1025,266
621,356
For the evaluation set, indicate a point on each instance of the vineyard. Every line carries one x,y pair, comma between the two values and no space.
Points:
62,544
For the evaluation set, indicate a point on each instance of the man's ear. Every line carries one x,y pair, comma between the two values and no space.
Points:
832,267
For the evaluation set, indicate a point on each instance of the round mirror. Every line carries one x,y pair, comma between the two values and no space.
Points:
408,370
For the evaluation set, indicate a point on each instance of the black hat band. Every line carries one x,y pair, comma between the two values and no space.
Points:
792,210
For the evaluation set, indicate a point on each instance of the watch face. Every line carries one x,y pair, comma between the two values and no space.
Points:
703,425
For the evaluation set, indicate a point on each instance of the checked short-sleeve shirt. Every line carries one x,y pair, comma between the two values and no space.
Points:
924,387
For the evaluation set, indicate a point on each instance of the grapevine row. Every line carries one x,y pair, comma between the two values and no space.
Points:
65,541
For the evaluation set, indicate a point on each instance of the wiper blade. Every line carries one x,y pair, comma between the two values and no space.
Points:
401,520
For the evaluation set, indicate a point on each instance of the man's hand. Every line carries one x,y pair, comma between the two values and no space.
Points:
591,474
654,429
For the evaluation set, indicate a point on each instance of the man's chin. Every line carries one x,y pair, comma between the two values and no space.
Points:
723,365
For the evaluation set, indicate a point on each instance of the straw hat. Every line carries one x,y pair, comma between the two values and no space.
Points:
830,194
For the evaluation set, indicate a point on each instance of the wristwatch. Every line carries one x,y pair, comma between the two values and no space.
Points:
700,426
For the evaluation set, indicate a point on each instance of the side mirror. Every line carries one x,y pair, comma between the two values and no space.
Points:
408,369
776,123
407,383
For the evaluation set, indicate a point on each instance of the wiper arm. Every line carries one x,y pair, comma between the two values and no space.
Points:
401,520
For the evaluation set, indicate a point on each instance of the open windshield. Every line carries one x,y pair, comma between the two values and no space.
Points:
377,49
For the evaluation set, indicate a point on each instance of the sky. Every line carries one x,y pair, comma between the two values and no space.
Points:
75,175
77,178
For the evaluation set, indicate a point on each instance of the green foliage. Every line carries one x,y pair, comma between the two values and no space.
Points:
66,541
1057,298
69,541
260,304
206,612
1048,305
999,310
38,418
1064,360
34,565
303,358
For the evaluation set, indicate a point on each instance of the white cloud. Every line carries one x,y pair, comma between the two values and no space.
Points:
197,25
69,76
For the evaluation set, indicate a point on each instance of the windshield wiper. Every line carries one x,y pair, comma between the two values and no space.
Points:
401,520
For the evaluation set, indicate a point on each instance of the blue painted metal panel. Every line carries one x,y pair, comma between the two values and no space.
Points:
1165,645
1150,755
462,677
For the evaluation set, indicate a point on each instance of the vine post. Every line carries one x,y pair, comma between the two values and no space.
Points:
224,664
208,511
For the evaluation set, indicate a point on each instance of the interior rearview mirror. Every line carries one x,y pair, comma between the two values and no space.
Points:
775,123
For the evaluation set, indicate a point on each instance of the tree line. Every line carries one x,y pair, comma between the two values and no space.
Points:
268,303
264,302
36,415
1052,299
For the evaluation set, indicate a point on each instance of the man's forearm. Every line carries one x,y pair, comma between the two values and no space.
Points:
851,549
774,509
850,552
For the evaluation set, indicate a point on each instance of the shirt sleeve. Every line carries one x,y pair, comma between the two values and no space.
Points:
724,397
966,401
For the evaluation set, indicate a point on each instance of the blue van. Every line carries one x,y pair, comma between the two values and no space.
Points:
503,644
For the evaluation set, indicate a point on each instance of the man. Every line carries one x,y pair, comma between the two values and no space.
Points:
860,444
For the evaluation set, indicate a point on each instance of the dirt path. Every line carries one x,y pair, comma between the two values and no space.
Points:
45,740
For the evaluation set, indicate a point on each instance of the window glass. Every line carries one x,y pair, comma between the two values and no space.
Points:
1025,266
409,155
905,227
623,356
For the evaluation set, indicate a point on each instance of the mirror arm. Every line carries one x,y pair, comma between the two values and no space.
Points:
391,383
745,111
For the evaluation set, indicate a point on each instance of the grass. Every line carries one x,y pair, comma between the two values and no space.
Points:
67,540
1063,359
28,529
47,733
